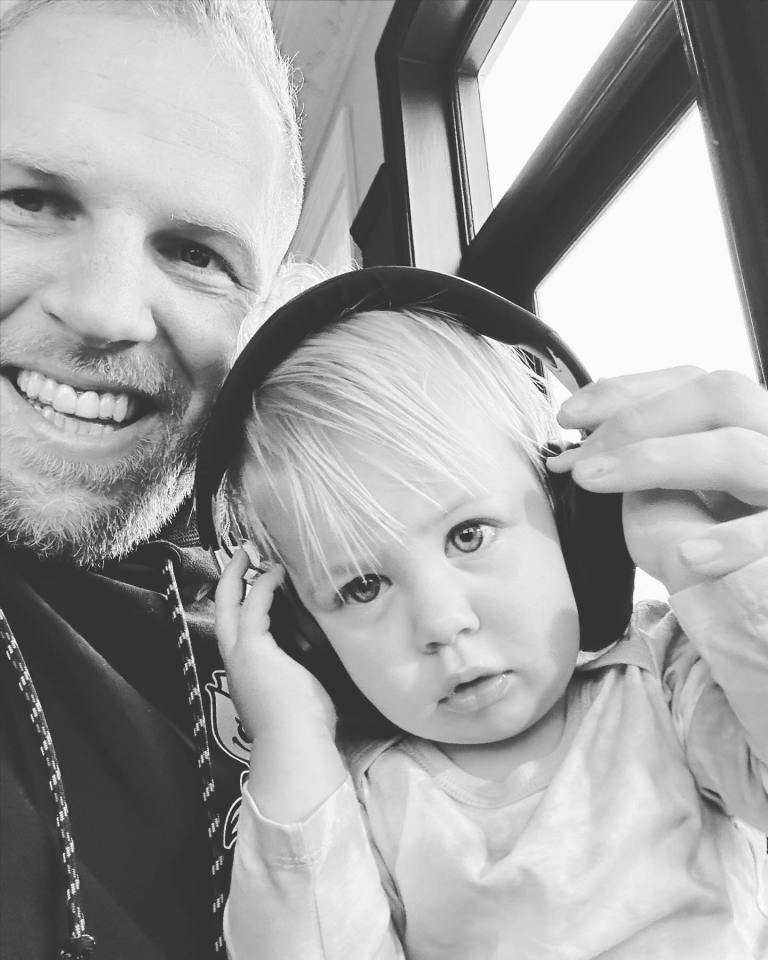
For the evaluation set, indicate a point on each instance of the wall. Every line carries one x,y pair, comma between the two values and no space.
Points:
334,44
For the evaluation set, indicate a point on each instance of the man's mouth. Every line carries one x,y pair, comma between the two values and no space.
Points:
83,412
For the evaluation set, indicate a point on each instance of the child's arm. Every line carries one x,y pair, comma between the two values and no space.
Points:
305,884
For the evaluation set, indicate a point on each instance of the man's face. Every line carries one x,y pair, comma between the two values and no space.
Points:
137,175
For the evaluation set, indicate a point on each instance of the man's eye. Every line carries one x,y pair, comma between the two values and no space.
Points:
362,589
468,537
32,200
196,255
200,257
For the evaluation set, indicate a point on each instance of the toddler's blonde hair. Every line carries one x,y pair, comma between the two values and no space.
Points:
376,383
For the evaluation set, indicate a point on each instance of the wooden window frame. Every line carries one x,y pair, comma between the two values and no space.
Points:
432,199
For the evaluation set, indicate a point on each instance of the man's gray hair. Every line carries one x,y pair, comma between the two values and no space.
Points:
242,31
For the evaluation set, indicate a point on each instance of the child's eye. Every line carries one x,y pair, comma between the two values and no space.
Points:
468,537
362,589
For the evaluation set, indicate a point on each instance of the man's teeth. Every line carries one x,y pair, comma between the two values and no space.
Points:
83,428
61,398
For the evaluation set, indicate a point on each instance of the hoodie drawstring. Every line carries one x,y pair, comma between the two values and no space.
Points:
200,736
80,944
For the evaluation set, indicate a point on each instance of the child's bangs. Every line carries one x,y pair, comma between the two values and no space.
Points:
380,388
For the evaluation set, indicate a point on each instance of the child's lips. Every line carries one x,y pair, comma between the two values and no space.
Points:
482,691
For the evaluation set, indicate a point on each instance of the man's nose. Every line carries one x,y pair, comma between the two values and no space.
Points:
100,292
444,610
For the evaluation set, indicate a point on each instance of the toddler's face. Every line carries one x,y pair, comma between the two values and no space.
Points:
466,630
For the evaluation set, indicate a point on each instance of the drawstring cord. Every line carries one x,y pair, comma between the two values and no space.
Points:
200,736
80,944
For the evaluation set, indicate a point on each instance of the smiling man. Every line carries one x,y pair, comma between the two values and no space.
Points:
151,181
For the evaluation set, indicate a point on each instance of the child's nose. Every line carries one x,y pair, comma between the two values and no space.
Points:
444,614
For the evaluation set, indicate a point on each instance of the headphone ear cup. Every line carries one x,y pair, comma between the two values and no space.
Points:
294,628
599,565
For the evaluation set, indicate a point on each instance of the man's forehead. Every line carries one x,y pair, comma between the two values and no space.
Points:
69,101
125,60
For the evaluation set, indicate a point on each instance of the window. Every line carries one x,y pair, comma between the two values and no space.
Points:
514,198
651,280
540,57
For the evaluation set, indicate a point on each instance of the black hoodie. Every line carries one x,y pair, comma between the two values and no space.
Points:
101,650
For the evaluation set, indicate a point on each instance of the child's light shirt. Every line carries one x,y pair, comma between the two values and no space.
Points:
641,837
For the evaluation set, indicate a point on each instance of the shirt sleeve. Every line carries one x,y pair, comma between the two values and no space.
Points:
309,890
716,677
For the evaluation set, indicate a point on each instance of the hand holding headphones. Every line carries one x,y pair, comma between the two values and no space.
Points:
689,452
273,692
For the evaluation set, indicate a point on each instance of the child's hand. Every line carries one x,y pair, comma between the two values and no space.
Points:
690,452
274,696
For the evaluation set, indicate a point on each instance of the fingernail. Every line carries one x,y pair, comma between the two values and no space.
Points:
575,404
252,552
561,461
595,467
699,552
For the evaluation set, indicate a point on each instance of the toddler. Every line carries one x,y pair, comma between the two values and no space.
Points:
467,784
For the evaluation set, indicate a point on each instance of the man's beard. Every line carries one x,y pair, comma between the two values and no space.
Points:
85,513
135,500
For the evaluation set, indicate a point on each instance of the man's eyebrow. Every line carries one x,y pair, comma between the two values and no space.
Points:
235,231
37,167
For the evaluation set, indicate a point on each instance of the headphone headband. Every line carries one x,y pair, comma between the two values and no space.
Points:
373,288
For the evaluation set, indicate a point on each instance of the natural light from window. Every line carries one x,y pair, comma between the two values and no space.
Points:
650,284
542,55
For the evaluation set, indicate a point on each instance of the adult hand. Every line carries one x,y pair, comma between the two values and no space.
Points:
273,694
689,451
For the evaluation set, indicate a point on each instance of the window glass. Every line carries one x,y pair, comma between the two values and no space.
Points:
650,284
532,70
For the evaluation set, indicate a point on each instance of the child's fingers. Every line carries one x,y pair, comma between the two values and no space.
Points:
229,596
254,614
728,547
730,460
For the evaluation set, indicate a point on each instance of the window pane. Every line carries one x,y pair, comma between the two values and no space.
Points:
650,283
532,71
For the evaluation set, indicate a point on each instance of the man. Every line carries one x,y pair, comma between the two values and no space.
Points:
151,182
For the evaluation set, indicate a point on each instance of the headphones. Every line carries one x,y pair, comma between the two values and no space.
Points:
589,524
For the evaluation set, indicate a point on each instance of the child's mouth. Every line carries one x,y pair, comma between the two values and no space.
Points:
476,694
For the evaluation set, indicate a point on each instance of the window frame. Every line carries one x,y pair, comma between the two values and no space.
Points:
434,194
